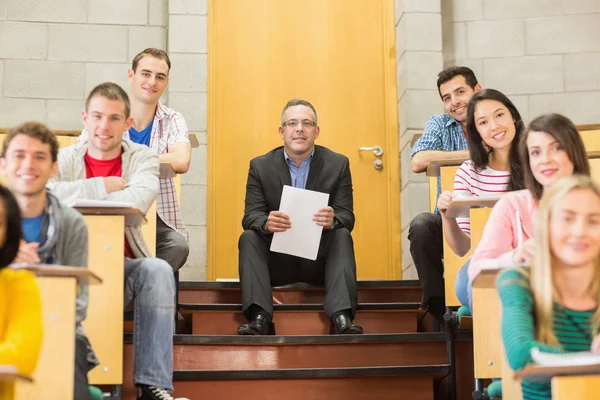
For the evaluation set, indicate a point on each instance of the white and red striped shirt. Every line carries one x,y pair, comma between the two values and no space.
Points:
470,182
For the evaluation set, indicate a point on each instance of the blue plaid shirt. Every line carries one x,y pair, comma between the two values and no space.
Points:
441,133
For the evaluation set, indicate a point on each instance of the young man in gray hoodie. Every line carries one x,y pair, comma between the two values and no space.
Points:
108,167
52,232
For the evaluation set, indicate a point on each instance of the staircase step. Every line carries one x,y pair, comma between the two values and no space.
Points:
193,352
297,293
301,319
382,383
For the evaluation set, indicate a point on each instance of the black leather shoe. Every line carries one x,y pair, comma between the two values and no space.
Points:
343,325
258,326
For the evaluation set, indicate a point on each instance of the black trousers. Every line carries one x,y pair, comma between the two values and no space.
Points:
427,250
334,268
82,366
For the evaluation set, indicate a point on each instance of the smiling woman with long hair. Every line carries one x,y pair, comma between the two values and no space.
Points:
553,305
20,304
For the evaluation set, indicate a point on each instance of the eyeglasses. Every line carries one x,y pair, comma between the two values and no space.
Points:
306,123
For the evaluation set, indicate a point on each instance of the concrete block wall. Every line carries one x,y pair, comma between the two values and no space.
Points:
543,54
187,46
53,52
419,59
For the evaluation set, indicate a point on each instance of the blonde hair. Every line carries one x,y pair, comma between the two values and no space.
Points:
542,287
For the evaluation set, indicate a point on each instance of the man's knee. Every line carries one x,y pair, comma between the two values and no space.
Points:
158,273
421,225
249,236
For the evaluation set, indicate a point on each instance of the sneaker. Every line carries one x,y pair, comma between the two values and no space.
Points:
155,393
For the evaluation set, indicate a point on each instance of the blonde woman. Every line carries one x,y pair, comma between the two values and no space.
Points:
554,305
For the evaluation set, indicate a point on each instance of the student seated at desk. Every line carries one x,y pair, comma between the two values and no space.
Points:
494,127
444,138
20,303
553,305
109,167
52,232
551,148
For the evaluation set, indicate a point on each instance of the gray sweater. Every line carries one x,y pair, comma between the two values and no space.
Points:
140,169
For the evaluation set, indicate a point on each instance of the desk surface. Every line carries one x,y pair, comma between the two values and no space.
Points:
9,373
167,170
133,216
434,166
459,208
537,371
82,274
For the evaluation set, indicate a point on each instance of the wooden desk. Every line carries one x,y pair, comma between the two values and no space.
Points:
104,323
445,170
167,171
193,140
487,338
53,377
414,139
9,373
567,382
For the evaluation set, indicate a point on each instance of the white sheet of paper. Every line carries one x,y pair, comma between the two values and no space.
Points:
303,238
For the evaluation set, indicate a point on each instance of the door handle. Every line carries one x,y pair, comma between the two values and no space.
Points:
377,150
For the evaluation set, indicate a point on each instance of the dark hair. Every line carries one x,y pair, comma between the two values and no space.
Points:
36,130
564,131
152,52
10,247
480,153
111,91
298,102
450,73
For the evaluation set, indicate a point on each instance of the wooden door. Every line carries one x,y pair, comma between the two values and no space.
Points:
339,55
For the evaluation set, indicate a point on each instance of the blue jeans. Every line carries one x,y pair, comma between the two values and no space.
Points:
463,287
150,287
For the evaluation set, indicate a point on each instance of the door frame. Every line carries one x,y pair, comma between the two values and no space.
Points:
392,140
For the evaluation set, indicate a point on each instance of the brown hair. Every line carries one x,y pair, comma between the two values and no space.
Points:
298,102
564,131
111,91
35,130
451,72
152,52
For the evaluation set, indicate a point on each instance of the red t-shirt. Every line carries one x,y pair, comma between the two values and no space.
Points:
95,168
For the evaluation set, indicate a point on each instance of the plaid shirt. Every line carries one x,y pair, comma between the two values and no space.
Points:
441,133
168,129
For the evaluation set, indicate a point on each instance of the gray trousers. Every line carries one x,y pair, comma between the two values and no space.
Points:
334,268
171,246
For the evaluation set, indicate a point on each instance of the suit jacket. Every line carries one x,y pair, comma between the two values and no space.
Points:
329,173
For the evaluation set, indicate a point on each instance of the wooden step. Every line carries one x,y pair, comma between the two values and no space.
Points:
381,383
301,319
297,293
194,352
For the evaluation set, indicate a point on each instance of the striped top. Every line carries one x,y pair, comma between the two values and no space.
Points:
470,182
572,329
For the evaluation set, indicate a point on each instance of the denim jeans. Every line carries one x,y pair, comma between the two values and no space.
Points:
463,286
150,287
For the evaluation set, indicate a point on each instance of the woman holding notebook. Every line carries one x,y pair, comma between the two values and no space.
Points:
553,305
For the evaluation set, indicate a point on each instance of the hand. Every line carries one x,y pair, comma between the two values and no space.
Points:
114,183
444,201
324,217
277,222
27,253
595,348
524,254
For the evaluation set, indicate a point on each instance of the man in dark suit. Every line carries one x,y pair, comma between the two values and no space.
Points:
301,164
